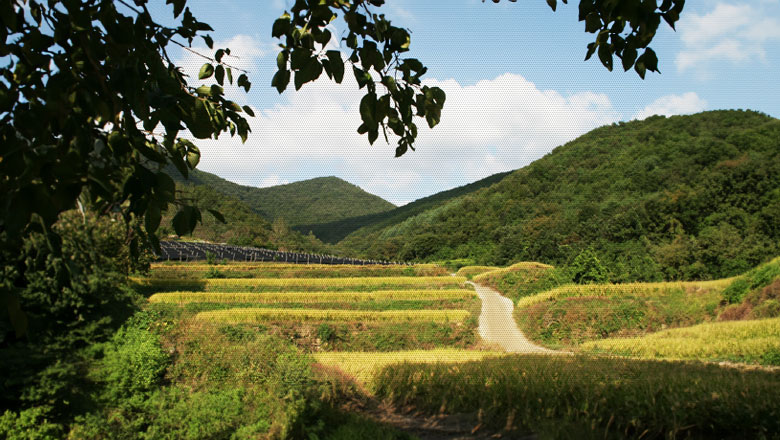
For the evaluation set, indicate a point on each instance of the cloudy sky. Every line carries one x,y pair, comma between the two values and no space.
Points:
516,87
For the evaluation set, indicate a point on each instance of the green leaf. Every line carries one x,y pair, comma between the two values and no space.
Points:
281,26
553,4
209,42
592,22
248,110
185,220
217,215
243,81
368,110
206,71
336,65
230,75
280,80
219,74
363,78
193,158
605,55
152,218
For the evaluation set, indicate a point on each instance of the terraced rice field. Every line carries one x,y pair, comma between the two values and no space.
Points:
741,341
357,324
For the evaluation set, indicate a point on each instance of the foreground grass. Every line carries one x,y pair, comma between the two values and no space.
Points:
155,285
250,315
308,297
585,397
363,366
755,341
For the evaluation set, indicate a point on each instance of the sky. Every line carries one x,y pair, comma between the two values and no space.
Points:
516,86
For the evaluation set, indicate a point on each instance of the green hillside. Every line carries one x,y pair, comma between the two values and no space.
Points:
324,199
242,226
685,197
332,232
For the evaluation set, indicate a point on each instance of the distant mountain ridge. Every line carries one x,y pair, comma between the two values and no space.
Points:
684,197
323,199
332,232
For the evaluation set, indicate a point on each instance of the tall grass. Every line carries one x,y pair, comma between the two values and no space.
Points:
287,270
363,366
583,397
249,315
309,297
755,341
298,284
617,290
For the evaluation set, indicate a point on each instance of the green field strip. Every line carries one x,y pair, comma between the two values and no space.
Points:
620,290
308,297
302,284
751,340
250,315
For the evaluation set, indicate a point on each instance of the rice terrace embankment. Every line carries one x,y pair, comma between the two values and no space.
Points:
416,350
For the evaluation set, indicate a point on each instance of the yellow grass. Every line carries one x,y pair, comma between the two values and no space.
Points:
475,270
307,297
250,315
364,365
628,289
253,284
716,340
523,265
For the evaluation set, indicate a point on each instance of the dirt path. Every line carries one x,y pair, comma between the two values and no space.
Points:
497,325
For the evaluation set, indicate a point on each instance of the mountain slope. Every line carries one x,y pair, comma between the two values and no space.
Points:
332,232
324,199
691,197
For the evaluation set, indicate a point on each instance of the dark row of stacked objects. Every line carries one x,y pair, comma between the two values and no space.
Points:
192,251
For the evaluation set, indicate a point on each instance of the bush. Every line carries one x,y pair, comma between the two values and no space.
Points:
30,424
767,309
134,361
587,269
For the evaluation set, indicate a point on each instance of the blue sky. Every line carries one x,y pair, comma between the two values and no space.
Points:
516,82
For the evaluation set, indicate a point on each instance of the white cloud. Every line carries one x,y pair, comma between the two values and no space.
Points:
670,105
734,33
245,54
491,126
272,180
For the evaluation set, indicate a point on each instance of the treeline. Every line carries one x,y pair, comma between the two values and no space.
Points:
686,197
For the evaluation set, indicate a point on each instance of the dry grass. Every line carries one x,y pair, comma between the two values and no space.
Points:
619,290
307,297
751,341
363,365
251,315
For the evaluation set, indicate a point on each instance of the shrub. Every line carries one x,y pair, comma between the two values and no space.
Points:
134,361
767,309
587,269
29,424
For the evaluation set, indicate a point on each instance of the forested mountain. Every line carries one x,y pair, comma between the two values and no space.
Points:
324,199
242,225
665,198
332,232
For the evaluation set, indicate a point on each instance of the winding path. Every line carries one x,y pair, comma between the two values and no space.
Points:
497,325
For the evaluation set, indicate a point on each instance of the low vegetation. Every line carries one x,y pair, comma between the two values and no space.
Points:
284,270
364,366
250,315
310,297
470,271
154,285
752,341
584,397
